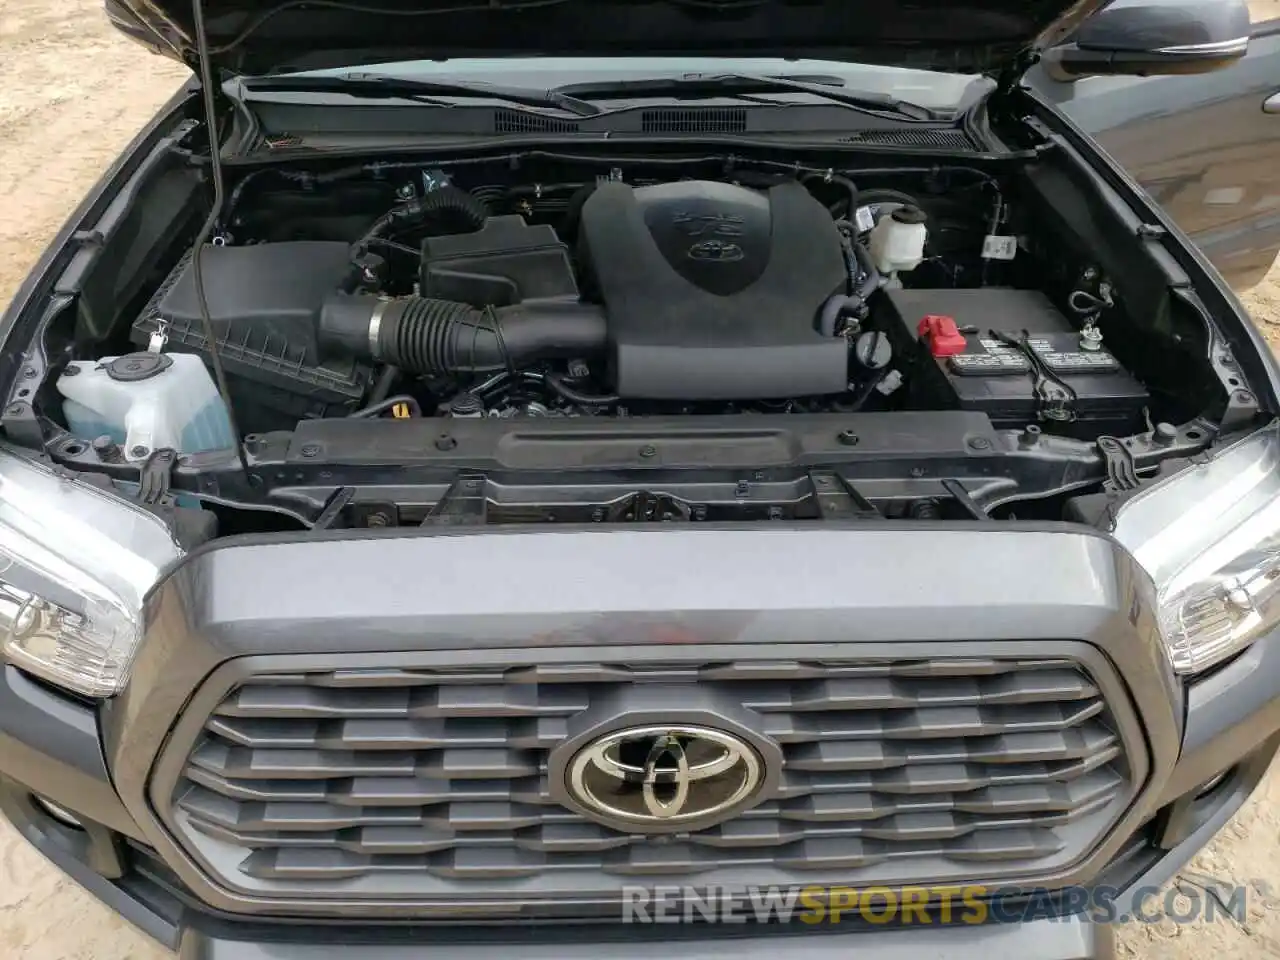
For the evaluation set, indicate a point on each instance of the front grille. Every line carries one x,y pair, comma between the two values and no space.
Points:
435,780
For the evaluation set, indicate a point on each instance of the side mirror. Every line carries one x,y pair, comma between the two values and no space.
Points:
1148,38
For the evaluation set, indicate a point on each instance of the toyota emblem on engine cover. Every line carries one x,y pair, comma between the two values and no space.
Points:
665,776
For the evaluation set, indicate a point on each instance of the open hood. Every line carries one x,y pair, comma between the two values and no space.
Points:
266,36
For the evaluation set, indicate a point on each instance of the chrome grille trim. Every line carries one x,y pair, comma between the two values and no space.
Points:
380,782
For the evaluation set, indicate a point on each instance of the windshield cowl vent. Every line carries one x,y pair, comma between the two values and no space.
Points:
520,121
696,120
933,139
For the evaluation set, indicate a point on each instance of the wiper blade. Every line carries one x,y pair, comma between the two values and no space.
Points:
380,85
732,84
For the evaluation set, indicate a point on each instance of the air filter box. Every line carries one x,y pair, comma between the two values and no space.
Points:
264,301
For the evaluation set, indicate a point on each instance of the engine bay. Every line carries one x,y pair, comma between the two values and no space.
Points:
389,324
676,297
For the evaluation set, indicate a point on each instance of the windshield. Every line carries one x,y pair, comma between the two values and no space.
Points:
941,91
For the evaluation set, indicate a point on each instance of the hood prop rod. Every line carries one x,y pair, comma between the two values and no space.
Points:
215,167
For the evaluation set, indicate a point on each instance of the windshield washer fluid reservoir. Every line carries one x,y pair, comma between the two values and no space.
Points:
146,402
897,240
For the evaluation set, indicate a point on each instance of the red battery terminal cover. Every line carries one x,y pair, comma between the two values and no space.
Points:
941,335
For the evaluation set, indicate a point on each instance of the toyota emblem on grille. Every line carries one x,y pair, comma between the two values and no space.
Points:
660,776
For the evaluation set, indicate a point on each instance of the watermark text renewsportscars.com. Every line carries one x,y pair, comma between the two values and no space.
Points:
929,905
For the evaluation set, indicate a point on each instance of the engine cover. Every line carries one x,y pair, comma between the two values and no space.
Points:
712,290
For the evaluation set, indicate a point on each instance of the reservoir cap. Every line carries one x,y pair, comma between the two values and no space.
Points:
138,366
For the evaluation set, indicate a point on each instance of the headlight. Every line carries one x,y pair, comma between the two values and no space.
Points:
1210,538
75,563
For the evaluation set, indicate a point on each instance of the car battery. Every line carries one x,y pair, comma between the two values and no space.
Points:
1011,355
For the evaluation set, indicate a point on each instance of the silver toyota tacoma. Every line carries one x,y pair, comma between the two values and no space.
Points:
471,470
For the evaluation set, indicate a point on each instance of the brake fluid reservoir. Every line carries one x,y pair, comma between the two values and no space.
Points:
897,240
146,402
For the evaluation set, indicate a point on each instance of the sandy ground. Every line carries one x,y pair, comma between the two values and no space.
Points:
72,93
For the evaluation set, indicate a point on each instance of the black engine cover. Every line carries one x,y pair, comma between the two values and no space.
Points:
712,290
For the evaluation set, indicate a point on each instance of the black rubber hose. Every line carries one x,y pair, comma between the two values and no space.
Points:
447,203
841,306
871,276
421,335
556,382
836,308
386,380
382,406
850,189
451,199
843,182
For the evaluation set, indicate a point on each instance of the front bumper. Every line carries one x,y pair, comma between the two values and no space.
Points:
1038,939
358,594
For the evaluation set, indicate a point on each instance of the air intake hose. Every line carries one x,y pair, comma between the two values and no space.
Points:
451,205
420,335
